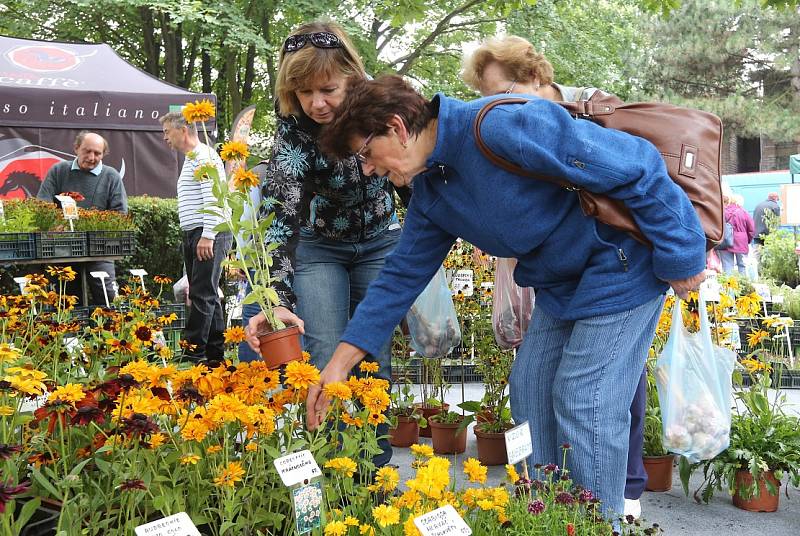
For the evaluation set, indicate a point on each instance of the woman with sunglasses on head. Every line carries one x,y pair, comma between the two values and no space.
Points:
510,64
334,223
599,292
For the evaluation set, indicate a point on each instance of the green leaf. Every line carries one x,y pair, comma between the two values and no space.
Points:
42,481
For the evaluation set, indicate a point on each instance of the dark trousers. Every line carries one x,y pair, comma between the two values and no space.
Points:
205,324
637,476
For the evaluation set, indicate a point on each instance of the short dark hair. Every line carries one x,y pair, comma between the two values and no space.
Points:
368,107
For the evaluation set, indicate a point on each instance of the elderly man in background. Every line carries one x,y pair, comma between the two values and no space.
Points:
102,189
204,249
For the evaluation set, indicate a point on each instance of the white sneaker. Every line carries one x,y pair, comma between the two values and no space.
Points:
633,507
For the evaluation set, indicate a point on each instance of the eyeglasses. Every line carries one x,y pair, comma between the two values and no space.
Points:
294,43
511,87
360,154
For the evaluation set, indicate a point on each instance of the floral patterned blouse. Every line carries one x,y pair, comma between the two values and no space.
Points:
311,194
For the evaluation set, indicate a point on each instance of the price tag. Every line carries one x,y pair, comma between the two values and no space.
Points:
763,291
443,521
518,443
463,281
307,507
297,467
175,525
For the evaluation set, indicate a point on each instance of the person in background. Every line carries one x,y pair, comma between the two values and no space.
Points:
743,233
204,249
762,212
102,189
599,291
510,64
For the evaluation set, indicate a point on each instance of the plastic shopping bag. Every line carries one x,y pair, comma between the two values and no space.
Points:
432,321
181,290
512,307
694,389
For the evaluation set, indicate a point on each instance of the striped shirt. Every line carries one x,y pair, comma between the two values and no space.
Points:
193,195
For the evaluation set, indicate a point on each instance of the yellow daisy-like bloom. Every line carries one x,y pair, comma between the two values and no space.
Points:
338,390
251,447
71,392
156,440
162,280
202,110
376,400
234,150
756,336
754,365
139,369
511,473
376,418
349,420
350,521
7,353
301,375
190,459
335,528
234,335
230,475
366,530
205,172
475,471
62,273
244,179
422,451
387,478
343,465
6,411
485,504
213,449
409,528
368,366
386,516
29,386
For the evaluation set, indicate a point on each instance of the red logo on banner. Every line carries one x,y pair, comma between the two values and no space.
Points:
44,58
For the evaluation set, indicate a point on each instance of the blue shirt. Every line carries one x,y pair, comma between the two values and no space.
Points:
96,171
579,267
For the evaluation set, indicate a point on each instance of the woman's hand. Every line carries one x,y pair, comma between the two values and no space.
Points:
259,322
342,362
683,286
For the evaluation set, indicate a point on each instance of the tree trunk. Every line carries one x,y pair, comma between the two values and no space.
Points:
188,73
232,79
170,51
249,75
205,70
149,44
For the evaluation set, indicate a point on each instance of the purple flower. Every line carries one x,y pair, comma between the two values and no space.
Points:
550,468
132,484
536,507
585,496
7,492
565,498
7,450
566,446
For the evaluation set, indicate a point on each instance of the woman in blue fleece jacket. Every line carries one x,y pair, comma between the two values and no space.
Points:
599,292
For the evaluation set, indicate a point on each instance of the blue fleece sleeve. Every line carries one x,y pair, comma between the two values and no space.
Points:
422,248
625,167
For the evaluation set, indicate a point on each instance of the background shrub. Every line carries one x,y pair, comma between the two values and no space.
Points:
158,238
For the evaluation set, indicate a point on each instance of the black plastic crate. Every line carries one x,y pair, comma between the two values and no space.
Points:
102,243
17,246
168,308
54,244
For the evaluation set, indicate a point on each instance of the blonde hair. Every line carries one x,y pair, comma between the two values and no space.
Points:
302,67
516,56
738,199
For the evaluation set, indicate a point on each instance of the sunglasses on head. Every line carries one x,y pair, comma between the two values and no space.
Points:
294,43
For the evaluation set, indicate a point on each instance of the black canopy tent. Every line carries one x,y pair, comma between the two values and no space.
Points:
50,91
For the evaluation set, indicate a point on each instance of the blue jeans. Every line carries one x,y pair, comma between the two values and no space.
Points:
574,382
248,311
636,479
330,280
730,259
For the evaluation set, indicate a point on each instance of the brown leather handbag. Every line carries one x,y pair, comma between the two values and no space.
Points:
689,142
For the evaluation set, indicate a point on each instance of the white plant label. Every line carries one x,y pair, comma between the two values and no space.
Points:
777,298
443,521
29,405
710,289
736,338
763,291
518,443
463,281
2,211
179,524
297,467
68,207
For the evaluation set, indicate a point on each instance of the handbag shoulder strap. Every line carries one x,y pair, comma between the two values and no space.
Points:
502,162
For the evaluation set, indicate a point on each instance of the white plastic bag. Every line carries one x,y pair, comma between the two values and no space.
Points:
694,389
432,321
512,306
181,290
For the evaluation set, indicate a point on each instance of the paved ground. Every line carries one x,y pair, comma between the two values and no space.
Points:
676,513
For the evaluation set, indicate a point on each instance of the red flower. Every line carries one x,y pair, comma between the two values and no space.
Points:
132,484
570,529
7,450
77,196
7,492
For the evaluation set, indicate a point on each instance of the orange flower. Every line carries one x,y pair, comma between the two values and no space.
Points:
234,150
230,475
198,111
244,179
234,334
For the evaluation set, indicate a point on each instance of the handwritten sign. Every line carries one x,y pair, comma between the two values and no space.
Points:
443,521
297,467
179,524
463,282
518,443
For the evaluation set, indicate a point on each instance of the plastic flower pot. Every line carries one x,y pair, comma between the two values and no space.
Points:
659,472
44,520
763,502
428,412
280,347
491,447
445,438
406,433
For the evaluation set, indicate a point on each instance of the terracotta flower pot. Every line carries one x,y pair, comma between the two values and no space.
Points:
764,502
428,412
406,433
491,447
445,439
280,347
659,472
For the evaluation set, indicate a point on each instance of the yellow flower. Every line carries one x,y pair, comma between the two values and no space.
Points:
205,172
338,390
5,411
387,478
350,521
198,111
229,475
139,369
386,516
349,420
475,471
234,334
512,474
376,418
485,504
409,528
157,439
366,530
244,179
190,459
301,375
343,465
754,365
422,451
7,353
376,400
234,150
251,447
756,336
213,449
71,392
335,528
369,366
29,386
62,273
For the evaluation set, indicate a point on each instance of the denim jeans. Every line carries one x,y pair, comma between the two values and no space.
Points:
636,479
574,382
205,324
330,280
730,259
249,310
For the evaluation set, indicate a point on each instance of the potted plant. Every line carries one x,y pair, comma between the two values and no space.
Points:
432,386
449,432
764,447
657,460
405,417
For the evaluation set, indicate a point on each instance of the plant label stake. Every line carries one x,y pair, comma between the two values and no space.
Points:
102,277
518,443
69,208
297,467
442,521
2,212
140,273
23,283
179,524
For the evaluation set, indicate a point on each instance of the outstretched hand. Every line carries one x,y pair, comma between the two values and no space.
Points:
343,360
682,287
259,322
